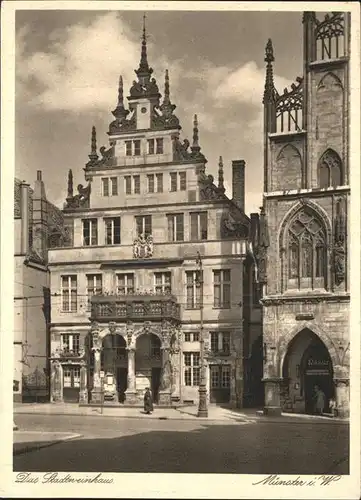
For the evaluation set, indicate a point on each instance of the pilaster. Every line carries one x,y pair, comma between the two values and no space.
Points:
131,393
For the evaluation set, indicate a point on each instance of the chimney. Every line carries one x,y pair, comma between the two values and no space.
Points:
238,191
39,216
24,191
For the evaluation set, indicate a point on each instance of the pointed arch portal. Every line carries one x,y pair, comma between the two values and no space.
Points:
307,364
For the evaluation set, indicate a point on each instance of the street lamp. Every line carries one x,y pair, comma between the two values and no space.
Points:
202,405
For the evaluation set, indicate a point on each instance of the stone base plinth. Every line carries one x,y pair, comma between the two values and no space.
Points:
83,397
271,411
164,398
97,395
342,413
131,397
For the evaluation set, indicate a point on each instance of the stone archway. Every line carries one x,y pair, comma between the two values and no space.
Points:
307,363
148,363
114,364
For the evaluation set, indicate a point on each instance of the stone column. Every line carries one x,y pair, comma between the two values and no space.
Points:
272,396
342,397
97,389
83,393
166,382
56,381
131,392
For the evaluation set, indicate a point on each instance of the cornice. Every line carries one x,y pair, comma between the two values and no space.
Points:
306,299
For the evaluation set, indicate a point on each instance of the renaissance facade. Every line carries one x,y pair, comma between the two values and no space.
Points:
303,249
155,266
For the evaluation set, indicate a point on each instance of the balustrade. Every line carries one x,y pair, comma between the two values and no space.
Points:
133,308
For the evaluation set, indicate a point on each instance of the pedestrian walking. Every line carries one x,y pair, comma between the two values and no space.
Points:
320,400
148,401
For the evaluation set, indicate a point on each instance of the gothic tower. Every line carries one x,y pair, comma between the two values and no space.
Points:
303,244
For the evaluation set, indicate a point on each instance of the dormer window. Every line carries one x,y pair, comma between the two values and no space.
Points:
155,146
159,143
132,148
151,146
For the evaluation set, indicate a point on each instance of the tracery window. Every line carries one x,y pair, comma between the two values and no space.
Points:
330,169
306,252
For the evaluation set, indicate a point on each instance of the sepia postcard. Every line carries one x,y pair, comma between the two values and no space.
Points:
180,249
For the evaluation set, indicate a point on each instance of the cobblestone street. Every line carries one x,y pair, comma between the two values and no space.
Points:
250,446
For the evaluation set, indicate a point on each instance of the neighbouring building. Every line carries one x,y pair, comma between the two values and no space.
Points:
156,247
302,246
35,221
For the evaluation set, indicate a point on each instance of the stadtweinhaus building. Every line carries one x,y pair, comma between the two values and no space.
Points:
153,239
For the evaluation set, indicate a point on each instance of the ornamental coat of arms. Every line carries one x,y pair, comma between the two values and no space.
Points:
143,246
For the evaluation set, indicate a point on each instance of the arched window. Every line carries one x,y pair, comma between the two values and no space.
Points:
330,169
306,251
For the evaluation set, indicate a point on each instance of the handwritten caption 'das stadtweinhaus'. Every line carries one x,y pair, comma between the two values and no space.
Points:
275,480
55,478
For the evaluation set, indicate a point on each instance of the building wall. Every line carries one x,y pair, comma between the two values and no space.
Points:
295,316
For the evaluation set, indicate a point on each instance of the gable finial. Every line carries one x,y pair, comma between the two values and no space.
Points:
93,149
195,146
120,92
70,184
220,174
269,89
143,65
166,99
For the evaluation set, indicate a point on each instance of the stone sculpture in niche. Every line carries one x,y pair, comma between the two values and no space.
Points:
339,248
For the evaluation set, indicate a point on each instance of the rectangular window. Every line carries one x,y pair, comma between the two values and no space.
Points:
159,183
155,351
143,225
136,180
151,146
193,289
71,376
226,376
90,232
125,284
191,368
199,223
191,337
183,181
226,343
136,145
162,283
128,148
105,186
175,227
112,230
159,146
150,178
214,342
69,293
222,288
173,181
128,184
114,185
94,285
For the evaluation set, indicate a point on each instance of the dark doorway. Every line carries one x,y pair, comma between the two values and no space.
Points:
220,383
156,374
71,383
122,383
316,368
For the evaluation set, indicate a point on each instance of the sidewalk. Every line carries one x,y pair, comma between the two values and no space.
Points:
25,441
215,413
